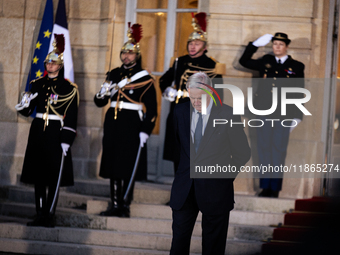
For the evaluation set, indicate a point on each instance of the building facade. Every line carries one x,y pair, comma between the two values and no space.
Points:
98,30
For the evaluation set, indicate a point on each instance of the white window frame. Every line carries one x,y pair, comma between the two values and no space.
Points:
131,16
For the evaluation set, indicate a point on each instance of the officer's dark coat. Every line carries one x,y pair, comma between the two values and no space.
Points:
184,63
121,135
43,152
272,75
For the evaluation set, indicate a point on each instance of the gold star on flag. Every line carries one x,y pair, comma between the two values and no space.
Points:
38,74
47,33
38,45
35,60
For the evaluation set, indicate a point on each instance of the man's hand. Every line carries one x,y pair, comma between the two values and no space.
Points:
26,100
297,121
263,40
65,148
143,137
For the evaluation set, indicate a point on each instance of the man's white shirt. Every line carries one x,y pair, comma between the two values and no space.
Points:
283,59
205,118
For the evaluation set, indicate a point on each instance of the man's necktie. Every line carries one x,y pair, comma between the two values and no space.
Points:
198,131
279,62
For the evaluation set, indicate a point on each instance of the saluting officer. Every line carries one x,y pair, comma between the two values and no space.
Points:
173,82
272,142
51,135
128,122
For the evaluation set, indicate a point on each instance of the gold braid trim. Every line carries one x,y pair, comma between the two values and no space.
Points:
133,86
63,99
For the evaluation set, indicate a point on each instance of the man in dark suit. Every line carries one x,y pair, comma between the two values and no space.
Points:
273,141
202,144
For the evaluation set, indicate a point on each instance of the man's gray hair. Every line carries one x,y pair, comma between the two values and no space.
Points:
197,80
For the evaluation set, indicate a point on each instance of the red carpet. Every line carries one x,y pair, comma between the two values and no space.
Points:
312,228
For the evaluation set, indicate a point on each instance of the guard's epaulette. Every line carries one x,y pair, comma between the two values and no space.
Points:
213,59
219,67
73,84
36,79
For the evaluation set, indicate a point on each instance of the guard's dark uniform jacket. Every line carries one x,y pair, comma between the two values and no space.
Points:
121,134
44,152
186,66
272,74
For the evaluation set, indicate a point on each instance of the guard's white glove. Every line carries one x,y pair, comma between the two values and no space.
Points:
105,89
170,94
297,121
143,137
65,148
26,100
263,40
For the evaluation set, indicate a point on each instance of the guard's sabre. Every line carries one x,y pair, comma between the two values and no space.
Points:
133,174
58,183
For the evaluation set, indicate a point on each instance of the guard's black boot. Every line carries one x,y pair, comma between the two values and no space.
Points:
50,221
125,204
116,190
40,203
125,212
39,220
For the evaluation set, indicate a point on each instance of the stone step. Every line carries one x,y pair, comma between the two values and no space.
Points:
57,248
151,212
76,218
24,194
164,212
144,193
113,238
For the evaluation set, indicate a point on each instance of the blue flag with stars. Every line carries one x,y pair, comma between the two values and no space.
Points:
42,45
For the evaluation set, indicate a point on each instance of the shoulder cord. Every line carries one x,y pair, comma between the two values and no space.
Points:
68,98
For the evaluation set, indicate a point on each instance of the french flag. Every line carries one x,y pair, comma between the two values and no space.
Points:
60,27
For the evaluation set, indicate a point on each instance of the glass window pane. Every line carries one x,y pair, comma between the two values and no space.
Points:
152,44
183,30
152,4
183,4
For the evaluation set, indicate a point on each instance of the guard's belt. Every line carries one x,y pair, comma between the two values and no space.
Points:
129,106
50,117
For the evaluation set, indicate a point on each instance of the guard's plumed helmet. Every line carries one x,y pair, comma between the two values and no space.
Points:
134,34
56,55
199,24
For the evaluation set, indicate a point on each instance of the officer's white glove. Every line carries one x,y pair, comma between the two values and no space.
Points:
105,90
293,122
143,137
263,40
170,94
65,148
26,100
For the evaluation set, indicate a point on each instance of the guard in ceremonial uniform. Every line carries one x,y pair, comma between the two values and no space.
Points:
48,161
173,82
128,122
272,142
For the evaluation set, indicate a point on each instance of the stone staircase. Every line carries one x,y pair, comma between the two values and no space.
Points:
81,231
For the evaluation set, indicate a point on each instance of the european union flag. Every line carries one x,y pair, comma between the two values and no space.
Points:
42,45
